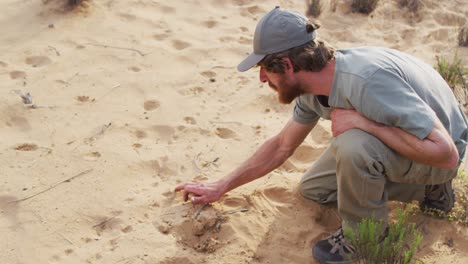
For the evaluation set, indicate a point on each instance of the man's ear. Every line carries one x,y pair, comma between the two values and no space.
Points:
288,63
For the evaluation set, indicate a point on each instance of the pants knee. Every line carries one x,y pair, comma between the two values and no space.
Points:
316,193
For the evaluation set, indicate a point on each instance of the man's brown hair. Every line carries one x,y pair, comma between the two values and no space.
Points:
312,56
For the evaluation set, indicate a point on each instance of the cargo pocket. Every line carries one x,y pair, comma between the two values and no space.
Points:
374,186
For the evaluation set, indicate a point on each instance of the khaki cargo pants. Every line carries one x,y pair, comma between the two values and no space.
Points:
361,174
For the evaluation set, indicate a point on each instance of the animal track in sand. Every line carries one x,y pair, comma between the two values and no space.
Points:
134,69
255,10
192,91
92,156
180,45
225,133
210,23
166,133
84,98
127,229
27,147
161,36
107,224
17,75
140,134
38,61
150,105
190,120
19,122
209,74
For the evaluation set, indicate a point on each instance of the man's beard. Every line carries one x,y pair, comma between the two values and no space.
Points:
287,93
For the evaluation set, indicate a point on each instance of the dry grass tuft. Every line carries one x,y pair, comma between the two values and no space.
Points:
314,8
412,5
363,6
463,36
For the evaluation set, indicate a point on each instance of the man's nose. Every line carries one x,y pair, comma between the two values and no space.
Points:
263,77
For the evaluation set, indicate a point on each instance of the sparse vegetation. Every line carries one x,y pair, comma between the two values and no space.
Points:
314,8
453,72
463,36
398,246
364,6
459,213
412,5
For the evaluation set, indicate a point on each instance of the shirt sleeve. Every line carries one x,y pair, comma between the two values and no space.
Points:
388,99
303,113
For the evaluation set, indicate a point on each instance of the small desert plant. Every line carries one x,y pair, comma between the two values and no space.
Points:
459,213
412,5
453,72
463,36
374,245
363,6
314,8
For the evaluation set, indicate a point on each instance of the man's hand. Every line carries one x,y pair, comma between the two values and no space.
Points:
202,192
344,120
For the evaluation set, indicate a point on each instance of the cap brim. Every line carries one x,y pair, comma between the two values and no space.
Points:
250,61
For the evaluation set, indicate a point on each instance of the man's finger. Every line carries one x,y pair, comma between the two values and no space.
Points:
194,189
197,199
186,196
180,187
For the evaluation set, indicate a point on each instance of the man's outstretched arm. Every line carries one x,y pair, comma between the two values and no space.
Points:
268,157
437,149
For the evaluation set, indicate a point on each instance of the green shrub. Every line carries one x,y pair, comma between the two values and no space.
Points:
363,6
453,72
398,246
315,8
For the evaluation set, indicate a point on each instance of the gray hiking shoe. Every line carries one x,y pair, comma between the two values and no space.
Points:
333,249
438,197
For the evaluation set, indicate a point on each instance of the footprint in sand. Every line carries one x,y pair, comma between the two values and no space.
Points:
38,61
225,133
17,75
26,147
180,45
3,64
150,105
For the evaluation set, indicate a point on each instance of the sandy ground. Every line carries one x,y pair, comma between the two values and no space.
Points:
133,97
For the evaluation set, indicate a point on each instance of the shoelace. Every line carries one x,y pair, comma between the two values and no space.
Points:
338,242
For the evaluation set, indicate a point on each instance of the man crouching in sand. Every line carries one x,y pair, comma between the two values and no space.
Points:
398,131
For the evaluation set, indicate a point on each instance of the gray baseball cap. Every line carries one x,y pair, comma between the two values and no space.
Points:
278,30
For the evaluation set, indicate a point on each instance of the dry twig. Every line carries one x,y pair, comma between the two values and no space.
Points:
52,187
